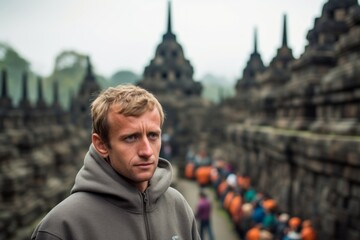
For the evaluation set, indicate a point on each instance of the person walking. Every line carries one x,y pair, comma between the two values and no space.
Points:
123,189
203,214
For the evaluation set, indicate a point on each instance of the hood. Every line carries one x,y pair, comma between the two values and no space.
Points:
98,177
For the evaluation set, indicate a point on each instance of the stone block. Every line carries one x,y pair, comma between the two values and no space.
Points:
14,136
352,174
332,198
328,223
353,234
343,187
315,166
24,233
342,217
354,207
353,158
8,223
322,235
28,212
354,223
334,151
355,191
331,169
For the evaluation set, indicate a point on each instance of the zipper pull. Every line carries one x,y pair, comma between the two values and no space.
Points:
145,199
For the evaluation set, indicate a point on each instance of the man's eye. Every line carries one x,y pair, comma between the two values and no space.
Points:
153,136
130,138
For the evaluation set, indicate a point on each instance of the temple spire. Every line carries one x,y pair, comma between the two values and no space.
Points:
169,34
284,39
89,70
40,90
24,102
4,84
255,41
24,87
40,94
5,101
55,92
169,18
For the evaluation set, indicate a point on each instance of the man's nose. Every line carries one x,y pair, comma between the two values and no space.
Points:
145,149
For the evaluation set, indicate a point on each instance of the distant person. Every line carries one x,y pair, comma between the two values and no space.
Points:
266,235
307,231
253,233
202,158
203,214
269,221
245,222
123,190
294,229
258,213
281,226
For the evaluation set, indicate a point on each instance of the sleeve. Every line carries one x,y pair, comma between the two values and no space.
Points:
195,232
39,235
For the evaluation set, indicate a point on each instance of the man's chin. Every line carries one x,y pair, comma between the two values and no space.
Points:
143,177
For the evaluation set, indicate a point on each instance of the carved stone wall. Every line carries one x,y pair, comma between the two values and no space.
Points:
41,151
38,162
313,176
303,146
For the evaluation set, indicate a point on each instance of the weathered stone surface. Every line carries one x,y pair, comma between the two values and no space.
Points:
318,185
354,207
352,174
354,222
328,224
353,235
355,191
40,153
343,187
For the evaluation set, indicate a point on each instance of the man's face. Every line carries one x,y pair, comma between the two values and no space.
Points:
135,144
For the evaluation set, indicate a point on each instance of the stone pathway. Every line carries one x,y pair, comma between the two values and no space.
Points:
221,223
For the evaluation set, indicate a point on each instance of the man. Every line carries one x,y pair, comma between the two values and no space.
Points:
123,190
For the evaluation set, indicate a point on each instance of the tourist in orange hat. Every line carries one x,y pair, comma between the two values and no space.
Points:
254,233
294,229
308,232
202,175
294,222
269,221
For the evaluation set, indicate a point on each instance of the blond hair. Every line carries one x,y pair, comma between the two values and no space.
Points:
133,101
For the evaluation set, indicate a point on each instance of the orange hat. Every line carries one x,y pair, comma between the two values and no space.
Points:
294,222
269,204
253,233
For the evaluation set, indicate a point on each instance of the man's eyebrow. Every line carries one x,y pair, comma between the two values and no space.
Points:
127,134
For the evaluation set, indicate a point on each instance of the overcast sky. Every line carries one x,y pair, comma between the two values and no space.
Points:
216,35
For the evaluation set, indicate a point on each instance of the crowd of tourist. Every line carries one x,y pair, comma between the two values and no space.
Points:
254,214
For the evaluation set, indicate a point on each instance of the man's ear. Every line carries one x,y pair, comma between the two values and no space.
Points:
100,145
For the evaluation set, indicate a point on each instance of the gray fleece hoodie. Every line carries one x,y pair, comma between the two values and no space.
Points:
105,206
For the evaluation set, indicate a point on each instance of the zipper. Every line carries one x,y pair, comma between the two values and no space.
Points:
147,229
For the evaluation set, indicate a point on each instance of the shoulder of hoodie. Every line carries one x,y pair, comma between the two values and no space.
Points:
178,199
71,205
